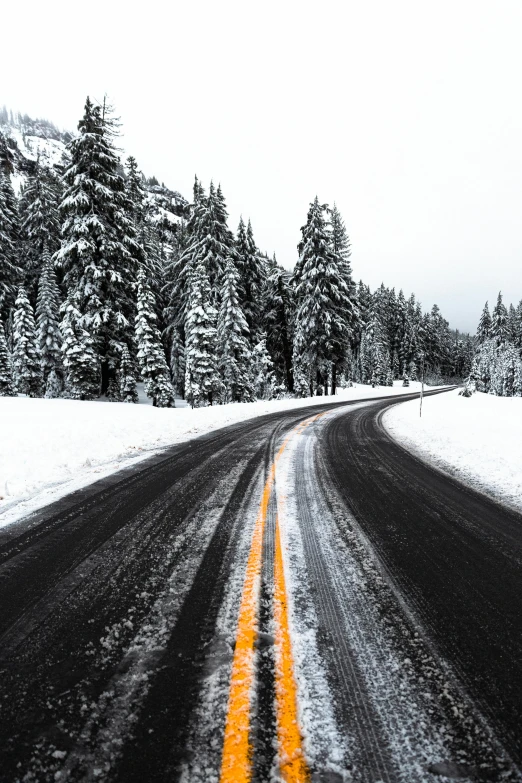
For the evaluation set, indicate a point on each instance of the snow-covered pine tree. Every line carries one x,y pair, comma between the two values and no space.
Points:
362,299
512,325
10,270
241,256
437,342
341,247
80,359
181,265
135,193
375,354
253,273
499,325
202,382
150,252
54,386
27,373
6,376
48,319
509,363
340,239
215,243
263,371
518,339
151,354
517,380
113,393
400,331
99,249
278,316
128,390
40,225
322,333
177,361
233,341
484,326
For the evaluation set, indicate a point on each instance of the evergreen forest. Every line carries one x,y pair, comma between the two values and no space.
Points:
100,290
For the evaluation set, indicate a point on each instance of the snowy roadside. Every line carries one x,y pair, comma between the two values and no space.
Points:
49,448
478,440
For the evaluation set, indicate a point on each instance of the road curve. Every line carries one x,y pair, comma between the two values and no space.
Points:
455,554
367,601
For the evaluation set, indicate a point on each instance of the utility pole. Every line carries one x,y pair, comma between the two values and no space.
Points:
422,382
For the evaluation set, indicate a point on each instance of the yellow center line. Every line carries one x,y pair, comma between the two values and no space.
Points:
292,763
236,762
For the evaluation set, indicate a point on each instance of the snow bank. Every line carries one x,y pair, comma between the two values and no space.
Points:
49,448
476,439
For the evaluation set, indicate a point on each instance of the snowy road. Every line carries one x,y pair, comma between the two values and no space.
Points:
292,598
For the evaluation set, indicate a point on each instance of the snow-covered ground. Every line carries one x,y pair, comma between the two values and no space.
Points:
49,448
476,439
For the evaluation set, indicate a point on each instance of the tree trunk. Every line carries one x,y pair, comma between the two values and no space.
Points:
334,378
104,376
287,358
318,379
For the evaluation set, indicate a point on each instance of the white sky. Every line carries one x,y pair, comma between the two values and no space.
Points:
407,114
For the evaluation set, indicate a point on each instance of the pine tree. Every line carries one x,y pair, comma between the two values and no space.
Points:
518,339
80,359
151,354
40,226
322,333
135,193
53,386
484,327
26,358
263,372
499,322
241,258
517,380
139,212
10,270
202,383
375,353
437,342
48,319
177,361
181,266
341,247
233,341
215,241
512,325
252,280
99,249
278,316
6,376
128,390
114,388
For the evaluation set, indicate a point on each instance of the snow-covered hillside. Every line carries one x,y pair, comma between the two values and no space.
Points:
27,139
477,439
51,447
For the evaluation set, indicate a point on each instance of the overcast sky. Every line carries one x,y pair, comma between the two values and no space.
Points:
407,114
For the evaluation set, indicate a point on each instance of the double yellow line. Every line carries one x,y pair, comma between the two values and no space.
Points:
236,764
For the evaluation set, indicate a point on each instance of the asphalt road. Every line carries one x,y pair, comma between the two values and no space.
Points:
382,600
